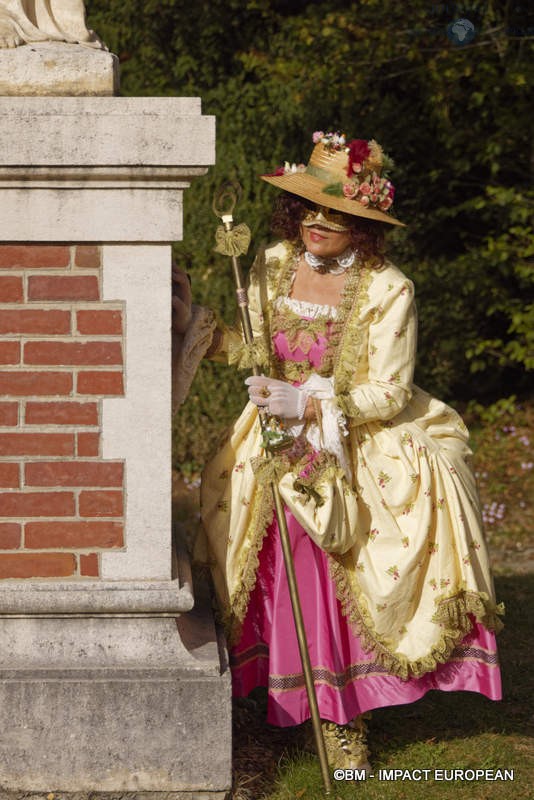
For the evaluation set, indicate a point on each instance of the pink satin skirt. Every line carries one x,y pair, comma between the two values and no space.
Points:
348,680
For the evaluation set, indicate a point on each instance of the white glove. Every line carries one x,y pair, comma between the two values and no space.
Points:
280,398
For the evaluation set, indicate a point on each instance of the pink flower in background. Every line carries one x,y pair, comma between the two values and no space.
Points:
317,136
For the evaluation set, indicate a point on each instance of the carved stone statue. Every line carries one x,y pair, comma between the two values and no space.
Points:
24,21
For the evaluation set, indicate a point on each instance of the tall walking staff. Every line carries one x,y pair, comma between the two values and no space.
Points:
234,242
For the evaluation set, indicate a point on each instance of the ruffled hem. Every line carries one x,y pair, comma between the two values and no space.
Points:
452,614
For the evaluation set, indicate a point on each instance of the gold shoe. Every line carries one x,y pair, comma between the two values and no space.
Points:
346,745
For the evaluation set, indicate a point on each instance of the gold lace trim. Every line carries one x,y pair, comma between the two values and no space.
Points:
269,468
452,614
323,469
310,472
340,329
245,356
261,517
350,332
347,405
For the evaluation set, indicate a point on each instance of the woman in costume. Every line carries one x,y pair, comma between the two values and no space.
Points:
379,494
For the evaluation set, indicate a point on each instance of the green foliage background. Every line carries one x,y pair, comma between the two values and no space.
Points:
456,120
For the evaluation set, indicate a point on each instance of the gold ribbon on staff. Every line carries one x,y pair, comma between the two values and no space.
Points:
234,242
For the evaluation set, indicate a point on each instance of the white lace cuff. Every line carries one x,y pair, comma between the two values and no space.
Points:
329,433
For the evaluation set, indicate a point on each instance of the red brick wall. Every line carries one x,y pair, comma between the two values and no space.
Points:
61,352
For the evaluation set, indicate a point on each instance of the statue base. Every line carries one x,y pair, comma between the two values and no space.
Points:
58,68
115,705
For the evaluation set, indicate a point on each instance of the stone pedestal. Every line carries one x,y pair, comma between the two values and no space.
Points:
111,675
57,68
109,704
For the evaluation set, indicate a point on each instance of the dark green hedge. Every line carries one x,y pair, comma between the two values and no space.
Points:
456,120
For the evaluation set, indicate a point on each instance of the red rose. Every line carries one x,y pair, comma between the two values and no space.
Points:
358,152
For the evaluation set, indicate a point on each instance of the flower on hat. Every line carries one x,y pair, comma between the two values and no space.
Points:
291,169
350,190
374,191
376,153
332,141
356,172
359,151
366,170
287,169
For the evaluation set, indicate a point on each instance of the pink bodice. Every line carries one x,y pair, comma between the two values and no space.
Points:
301,333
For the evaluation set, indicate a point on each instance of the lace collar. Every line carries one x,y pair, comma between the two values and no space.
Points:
304,308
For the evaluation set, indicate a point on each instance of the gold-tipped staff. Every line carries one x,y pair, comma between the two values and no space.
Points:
233,242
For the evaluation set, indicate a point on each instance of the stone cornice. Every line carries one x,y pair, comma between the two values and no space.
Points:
99,169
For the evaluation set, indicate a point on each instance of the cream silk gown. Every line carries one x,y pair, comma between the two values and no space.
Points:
381,504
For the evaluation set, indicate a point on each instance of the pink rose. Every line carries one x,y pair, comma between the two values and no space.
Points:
317,136
350,190
358,151
385,204
365,187
364,200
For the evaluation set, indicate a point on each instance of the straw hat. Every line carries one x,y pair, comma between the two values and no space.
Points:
346,176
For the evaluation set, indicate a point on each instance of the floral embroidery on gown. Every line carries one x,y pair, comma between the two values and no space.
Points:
402,602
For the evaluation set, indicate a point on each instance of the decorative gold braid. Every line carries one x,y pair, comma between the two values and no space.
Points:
452,613
287,321
453,610
347,405
350,332
261,516
279,274
245,356
269,469
324,469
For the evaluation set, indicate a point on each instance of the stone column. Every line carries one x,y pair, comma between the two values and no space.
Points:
111,676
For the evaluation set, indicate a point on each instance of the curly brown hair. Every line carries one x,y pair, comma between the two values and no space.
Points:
367,236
